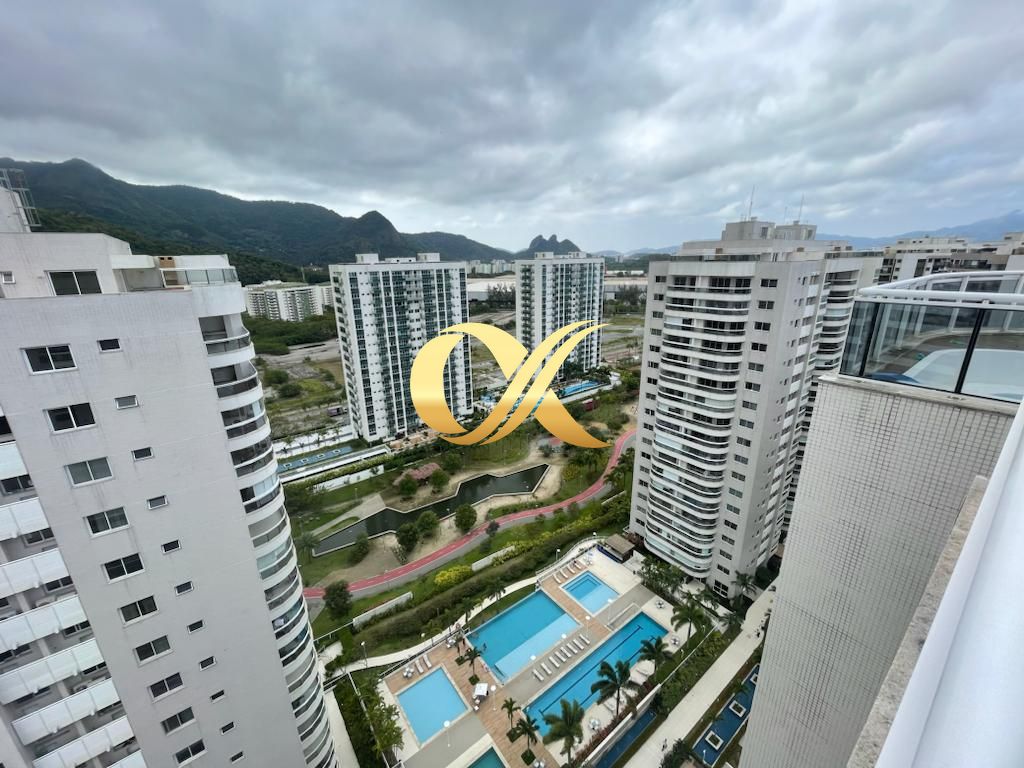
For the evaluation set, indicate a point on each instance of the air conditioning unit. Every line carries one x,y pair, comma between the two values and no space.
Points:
44,601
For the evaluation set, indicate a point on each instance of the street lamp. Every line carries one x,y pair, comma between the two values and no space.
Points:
493,697
447,733
366,661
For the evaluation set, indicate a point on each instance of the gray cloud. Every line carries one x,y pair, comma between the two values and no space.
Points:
619,124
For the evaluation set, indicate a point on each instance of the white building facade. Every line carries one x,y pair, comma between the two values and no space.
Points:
386,311
737,333
151,608
926,255
292,302
553,290
932,376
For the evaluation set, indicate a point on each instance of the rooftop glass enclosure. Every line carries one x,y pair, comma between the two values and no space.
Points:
955,332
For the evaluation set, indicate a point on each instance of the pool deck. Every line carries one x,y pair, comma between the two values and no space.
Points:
471,733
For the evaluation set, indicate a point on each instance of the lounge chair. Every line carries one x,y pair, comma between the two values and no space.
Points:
426,660
538,675
545,668
552,660
558,578
585,639
418,667
568,647
559,654
609,704
578,644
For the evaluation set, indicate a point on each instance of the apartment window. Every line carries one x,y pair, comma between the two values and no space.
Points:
90,471
735,492
728,540
41,359
752,386
128,401
749,405
195,626
37,537
138,609
184,588
153,648
14,653
74,283
659,278
755,367
109,345
217,696
171,546
176,721
18,484
122,567
6,277
724,570
741,459
762,326
757,347
738,476
74,629
769,283
747,424
142,453
165,686
237,756
743,441
657,315
189,753
62,583
156,502
71,417
208,662
108,520
766,305
227,727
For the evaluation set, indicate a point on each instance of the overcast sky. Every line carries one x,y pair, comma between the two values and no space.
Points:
618,124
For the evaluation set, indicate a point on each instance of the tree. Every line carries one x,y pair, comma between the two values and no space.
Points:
471,656
744,581
733,621
438,479
408,535
451,461
337,599
300,498
689,613
275,377
289,389
305,543
465,518
612,681
568,726
511,708
360,549
654,651
427,524
407,487
387,733
529,728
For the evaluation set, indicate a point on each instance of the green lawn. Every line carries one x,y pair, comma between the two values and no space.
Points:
312,520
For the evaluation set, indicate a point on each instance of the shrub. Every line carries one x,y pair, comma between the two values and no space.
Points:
438,480
275,377
528,757
337,599
449,577
408,534
358,551
492,528
473,679
289,389
451,461
465,518
407,487
427,524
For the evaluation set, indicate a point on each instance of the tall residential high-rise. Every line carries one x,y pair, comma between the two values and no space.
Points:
553,290
931,378
151,608
287,301
386,311
926,255
737,332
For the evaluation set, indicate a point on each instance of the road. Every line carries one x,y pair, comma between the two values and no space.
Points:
480,531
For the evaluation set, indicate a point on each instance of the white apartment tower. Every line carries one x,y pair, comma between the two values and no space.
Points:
931,378
292,302
926,255
736,334
151,609
386,311
553,290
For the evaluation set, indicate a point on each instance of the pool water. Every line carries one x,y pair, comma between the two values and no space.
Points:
624,645
430,701
728,723
590,592
488,759
528,628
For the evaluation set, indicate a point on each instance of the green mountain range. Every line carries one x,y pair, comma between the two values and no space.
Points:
264,238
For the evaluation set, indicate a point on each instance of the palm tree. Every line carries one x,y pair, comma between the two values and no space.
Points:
611,682
733,621
567,726
529,728
306,542
511,707
655,652
708,598
471,656
744,581
688,613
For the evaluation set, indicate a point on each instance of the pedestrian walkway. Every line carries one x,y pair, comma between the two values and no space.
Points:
398,575
701,698
370,505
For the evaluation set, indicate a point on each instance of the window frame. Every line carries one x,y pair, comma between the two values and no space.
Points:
167,690
134,402
157,647
141,615
106,517
151,505
78,285
49,357
127,573
145,456
71,416
104,350
166,544
88,464
181,723
178,587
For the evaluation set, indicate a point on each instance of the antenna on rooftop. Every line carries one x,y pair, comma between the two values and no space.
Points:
750,208
801,213
785,214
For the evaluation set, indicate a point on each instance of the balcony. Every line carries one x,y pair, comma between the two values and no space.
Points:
29,678
20,517
31,572
48,720
83,749
41,621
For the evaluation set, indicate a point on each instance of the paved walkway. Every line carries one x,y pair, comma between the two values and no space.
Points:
699,700
370,505
480,531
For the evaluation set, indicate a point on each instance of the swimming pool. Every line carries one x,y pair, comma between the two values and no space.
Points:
727,723
575,389
590,592
430,701
530,626
488,759
624,645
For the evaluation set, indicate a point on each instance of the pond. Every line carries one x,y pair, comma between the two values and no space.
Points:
470,492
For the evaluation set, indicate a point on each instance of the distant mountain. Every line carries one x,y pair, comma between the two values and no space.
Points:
552,244
201,220
985,229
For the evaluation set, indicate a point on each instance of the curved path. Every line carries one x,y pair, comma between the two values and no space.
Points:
481,530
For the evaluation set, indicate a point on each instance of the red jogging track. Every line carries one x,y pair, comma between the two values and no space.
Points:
476,533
